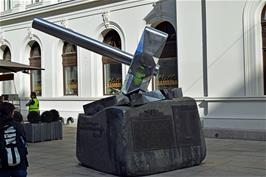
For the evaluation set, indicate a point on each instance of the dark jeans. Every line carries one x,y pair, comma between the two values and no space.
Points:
13,173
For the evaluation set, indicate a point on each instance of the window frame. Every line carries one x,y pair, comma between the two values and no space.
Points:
7,85
35,1
171,40
8,5
155,78
112,38
109,61
69,59
35,60
263,36
4,54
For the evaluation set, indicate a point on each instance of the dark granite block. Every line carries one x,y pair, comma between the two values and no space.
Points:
132,141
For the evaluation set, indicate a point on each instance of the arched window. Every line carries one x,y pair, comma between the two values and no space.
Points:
7,54
167,76
263,25
7,85
36,75
70,70
112,71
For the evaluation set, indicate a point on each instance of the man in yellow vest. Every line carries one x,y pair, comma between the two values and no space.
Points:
33,103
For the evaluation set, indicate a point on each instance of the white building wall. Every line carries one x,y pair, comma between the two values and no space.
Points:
229,105
189,45
234,101
233,30
225,48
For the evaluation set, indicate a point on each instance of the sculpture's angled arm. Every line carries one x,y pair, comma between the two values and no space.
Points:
82,41
143,65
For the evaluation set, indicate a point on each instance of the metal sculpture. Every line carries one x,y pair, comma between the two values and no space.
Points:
136,132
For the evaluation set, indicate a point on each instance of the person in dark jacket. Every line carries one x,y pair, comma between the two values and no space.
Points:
1,99
6,119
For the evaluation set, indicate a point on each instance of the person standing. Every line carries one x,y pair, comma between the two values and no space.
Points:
13,150
33,103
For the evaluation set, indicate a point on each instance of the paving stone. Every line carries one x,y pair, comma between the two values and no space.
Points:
237,158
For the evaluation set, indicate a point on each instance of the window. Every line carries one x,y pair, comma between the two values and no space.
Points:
167,76
112,71
7,5
36,75
7,85
263,25
70,70
35,1
7,54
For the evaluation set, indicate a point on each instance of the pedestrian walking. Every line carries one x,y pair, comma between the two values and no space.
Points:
13,150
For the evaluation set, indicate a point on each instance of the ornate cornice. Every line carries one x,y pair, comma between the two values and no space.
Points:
44,10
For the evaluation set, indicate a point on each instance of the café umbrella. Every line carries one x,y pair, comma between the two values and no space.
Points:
9,67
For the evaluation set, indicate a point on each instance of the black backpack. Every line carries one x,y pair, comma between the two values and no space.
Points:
12,146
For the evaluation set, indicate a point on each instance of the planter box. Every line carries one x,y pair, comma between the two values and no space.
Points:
38,132
32,132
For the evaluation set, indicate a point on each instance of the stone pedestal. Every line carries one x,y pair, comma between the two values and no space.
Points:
132,141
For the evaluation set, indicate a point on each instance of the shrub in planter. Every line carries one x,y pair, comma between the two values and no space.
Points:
17,116
46,116
70,120
55,115
34,117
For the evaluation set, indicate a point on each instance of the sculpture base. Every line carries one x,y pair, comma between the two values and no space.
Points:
132,141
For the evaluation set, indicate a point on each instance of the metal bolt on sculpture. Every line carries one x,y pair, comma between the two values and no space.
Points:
136,132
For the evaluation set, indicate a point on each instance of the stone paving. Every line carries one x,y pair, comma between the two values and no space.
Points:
224,158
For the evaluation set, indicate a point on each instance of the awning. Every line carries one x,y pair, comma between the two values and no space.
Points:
7,66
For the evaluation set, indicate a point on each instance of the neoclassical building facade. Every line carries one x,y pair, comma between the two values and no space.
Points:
215,52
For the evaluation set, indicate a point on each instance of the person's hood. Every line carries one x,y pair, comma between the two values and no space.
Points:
4,120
